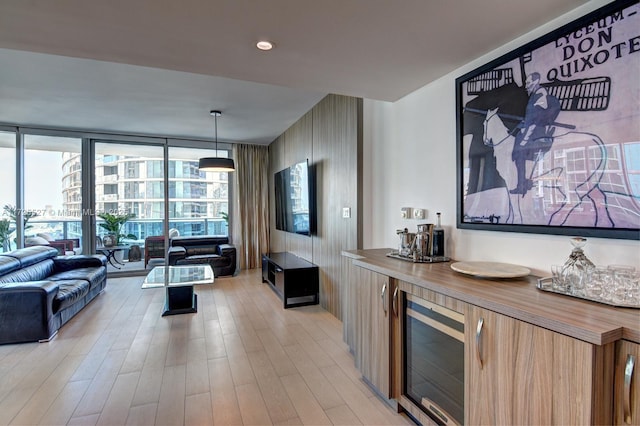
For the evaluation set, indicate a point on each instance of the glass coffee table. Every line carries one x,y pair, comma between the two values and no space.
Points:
178,282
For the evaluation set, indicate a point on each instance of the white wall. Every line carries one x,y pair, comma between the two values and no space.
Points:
410,161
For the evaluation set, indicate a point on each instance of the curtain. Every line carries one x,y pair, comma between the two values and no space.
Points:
250,215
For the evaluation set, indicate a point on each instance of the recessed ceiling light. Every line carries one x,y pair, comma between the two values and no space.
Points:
264,45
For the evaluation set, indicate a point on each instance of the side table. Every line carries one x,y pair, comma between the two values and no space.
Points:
110,252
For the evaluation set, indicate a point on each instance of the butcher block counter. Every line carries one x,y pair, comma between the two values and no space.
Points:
518,298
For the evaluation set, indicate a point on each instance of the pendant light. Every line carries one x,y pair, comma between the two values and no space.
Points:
216,164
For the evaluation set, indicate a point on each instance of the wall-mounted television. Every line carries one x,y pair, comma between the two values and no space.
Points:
295,199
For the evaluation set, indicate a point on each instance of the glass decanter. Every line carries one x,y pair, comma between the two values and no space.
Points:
575,270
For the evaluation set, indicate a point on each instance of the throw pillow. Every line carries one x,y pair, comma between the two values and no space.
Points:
35,241
173,232
46,236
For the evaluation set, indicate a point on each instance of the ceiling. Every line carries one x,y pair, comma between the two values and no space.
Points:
158,66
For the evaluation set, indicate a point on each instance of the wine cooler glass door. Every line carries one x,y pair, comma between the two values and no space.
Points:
434,364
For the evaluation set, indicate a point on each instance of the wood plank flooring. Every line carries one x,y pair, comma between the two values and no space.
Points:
241,360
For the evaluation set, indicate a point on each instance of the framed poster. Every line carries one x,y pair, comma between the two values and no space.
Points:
548,135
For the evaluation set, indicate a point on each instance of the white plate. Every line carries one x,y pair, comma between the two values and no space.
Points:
490,269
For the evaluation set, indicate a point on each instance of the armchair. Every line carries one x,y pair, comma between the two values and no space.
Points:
72,245
153,248
61,246
66,247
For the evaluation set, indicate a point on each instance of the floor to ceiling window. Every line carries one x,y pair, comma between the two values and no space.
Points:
7,190
53,191
198,201
129,185
129,180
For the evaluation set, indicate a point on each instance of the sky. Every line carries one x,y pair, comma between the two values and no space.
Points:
43,179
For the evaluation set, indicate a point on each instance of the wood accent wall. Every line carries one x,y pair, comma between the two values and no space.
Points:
330,137
277,240
299,146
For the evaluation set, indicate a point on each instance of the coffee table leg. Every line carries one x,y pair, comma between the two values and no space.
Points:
180,300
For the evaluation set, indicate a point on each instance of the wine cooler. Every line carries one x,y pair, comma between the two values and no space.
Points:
434,360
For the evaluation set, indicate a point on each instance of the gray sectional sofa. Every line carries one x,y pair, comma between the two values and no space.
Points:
40,291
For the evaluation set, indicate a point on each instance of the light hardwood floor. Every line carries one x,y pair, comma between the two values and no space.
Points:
242,359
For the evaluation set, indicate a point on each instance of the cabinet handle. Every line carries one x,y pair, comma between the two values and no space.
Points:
395,302
479,341
628,372
384,304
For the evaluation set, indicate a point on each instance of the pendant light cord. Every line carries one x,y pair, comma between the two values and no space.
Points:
216,164
216,114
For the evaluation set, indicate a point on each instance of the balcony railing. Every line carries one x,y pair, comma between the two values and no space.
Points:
141,228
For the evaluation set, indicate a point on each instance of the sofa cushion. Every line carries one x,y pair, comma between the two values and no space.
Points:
31,255
8,264
67,263
39,271
199,240
202,250
94,275
69,292
203,258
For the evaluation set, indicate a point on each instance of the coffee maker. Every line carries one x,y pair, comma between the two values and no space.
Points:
419,247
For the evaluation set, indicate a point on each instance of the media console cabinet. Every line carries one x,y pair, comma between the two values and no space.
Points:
294,279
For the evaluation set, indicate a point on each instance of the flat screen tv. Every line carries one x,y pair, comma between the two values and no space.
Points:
295,199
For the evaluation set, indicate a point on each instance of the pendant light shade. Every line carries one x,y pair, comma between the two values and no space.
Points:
216,164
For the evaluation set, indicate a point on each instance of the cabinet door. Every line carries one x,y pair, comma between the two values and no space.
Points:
372,357
350,303
265,269
627,384
518,373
